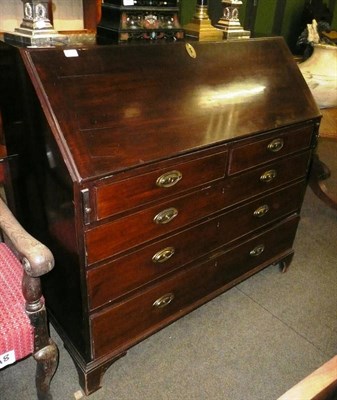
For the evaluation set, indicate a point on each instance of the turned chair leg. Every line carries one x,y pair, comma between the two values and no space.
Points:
47,361
45,350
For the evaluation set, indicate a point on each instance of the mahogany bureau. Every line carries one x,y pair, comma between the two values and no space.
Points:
165,175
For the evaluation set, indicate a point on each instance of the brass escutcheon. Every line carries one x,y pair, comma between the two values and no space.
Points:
275,145
163,301
169,179
261,211
163,255
191,50
257,250
268,176
165,216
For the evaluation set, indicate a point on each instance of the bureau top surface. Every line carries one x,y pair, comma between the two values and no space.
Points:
112,108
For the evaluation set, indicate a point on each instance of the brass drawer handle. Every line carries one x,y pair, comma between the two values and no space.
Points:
163,255
275,145
257,250
165,216
261,211
169,179
163,301
268,176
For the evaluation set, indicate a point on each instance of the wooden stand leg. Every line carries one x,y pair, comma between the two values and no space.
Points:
47,360
319,173
285,262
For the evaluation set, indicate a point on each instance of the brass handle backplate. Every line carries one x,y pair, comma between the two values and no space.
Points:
275,145
169,179
163,255
163,301
165,216
257,250
268,176
261,211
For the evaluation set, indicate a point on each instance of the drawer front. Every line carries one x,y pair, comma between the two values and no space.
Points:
250,153
140,227
259,180
129,193
113,238
130,321
125,274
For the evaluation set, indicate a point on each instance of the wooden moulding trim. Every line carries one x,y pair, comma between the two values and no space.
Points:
316,386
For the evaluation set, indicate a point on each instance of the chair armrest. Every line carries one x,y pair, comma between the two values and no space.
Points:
36,258
319,385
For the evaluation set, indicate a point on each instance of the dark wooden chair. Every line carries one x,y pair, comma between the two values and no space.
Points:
23,320
319,385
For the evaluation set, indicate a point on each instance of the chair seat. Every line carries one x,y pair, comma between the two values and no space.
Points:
16,332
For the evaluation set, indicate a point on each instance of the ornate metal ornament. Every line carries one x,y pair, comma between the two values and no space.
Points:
36,15
139,20
35,28
28,11
229,23
200,27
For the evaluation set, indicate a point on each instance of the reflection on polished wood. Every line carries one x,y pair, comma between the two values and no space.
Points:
320,172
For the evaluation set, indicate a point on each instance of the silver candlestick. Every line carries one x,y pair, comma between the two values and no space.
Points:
230,23
36,28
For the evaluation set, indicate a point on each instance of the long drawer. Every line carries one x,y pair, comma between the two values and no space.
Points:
132,320
252,152
125,274
112,238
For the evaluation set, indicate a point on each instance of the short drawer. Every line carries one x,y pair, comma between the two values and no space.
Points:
250,153
130,321
278,173
133,192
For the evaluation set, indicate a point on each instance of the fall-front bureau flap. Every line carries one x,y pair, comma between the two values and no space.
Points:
112,108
